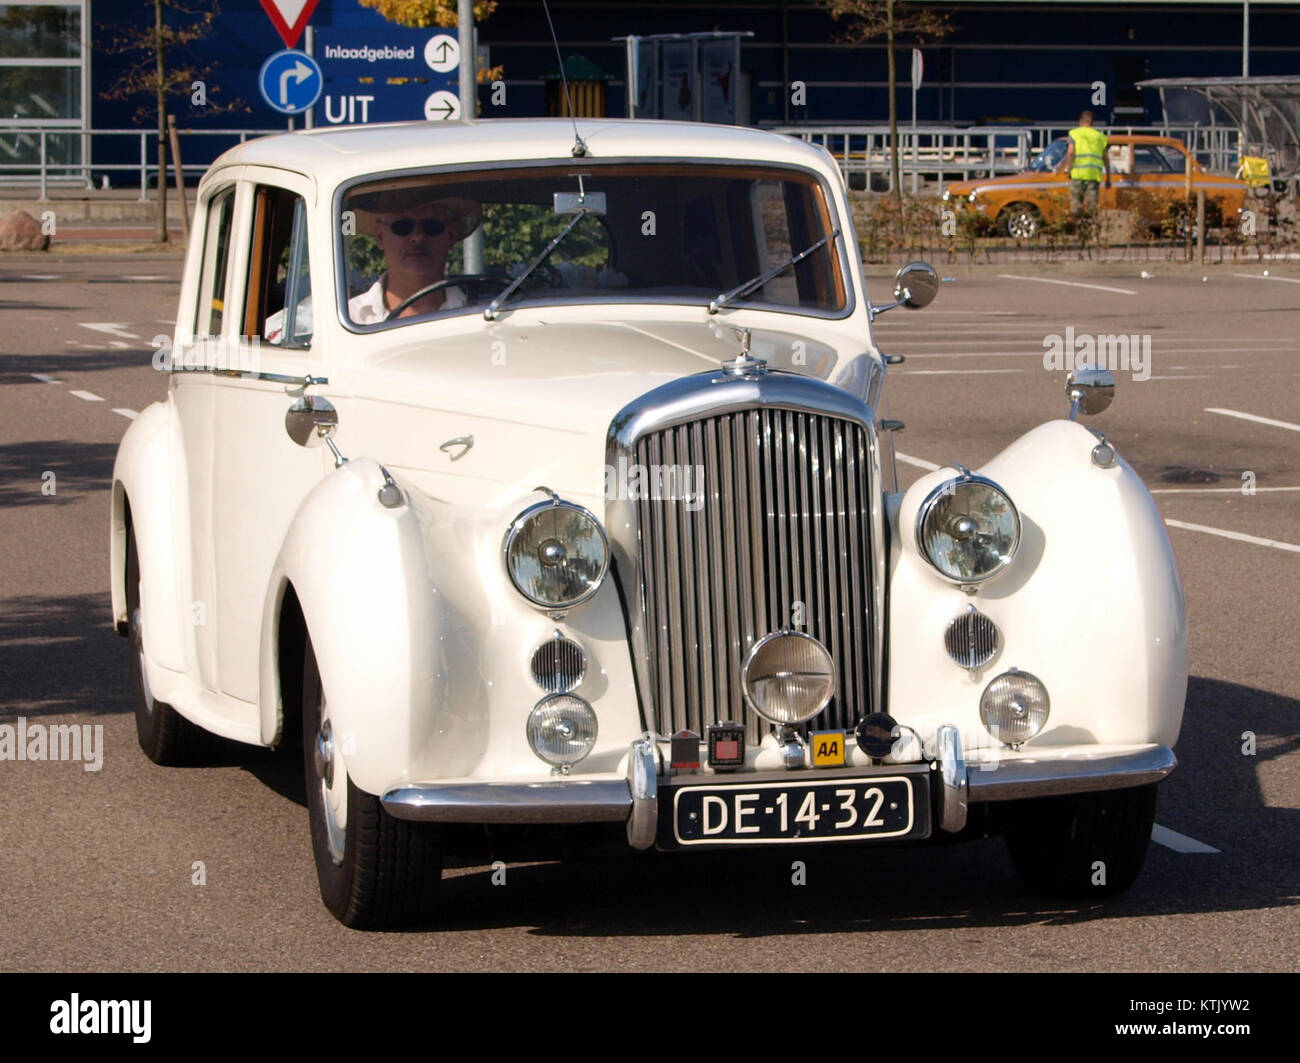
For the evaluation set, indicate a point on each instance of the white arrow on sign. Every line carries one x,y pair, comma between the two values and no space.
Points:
442,106
442,53
300,72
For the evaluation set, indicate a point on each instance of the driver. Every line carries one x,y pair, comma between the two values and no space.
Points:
415,231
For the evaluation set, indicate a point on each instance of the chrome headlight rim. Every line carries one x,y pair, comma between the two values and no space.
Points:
516,528
745,686
932,499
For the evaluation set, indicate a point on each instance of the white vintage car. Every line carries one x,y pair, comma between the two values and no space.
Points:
528,474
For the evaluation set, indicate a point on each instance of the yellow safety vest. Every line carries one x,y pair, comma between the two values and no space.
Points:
1089,154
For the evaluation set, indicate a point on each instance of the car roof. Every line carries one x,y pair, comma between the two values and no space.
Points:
334,153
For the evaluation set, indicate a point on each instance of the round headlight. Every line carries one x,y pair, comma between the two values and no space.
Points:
562,729
789,677
1014,707
968,529
971,198
556,554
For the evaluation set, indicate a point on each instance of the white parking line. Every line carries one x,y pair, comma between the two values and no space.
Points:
89,396
1239,536
44,378
113,328
1068,284
1214,490
130,415
1261,277
1253,417
1179,843
920,463
39,277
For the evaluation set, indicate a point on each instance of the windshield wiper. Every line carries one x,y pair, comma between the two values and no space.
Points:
741,290
491,312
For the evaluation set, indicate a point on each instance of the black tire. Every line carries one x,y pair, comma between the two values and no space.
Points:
166,736
1022,217
1057,842
375,872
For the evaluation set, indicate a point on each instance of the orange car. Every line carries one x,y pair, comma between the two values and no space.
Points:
1019,202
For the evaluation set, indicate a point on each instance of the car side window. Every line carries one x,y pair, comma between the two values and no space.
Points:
279,310
216,261
1174,158
1147,160
1121,158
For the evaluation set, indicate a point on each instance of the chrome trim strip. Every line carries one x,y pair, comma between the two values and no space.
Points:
571,801
275,378
1017,777
643,783
953,788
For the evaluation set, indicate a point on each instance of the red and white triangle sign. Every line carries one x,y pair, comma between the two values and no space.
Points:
289,17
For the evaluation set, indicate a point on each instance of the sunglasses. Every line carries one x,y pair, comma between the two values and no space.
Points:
406,226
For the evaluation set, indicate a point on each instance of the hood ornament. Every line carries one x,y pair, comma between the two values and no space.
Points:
744,364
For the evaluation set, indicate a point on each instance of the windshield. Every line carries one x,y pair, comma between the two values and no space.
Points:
656,232
1047,160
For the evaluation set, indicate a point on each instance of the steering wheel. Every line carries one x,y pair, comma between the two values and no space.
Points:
473,281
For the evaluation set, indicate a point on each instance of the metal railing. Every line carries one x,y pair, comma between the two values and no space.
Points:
925,153
49,171
938,153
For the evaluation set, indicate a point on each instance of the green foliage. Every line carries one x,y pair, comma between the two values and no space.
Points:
515,232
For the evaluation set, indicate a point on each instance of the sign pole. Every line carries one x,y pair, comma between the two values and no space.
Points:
472,244
916,151
309,46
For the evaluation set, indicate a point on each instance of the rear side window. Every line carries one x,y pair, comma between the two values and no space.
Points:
216,261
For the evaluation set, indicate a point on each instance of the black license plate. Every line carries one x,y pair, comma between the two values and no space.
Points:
838,809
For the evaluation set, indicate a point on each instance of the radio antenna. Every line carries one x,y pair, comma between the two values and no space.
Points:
579,145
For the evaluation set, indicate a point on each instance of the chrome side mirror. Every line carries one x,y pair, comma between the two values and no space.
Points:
1090,390
311,419
916,285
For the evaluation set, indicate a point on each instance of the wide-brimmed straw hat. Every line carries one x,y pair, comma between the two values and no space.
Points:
463,215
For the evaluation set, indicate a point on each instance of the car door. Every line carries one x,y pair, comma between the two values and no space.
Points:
259,475
202,329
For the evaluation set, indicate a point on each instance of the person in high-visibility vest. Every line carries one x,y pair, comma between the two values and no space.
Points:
1087,162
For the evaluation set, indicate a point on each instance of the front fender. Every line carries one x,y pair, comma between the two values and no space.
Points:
1092,603
378,628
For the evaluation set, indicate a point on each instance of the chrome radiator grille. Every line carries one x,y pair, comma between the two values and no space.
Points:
781,540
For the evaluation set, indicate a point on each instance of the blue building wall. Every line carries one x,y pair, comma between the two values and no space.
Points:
1028,62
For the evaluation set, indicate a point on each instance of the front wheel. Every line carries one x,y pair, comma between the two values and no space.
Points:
1021,221
374,871
1082,845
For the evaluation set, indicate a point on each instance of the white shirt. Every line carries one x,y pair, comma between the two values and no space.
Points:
368,308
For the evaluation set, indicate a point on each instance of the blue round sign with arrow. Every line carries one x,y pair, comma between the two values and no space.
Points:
290,81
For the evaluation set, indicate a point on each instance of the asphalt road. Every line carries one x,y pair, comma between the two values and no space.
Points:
97,869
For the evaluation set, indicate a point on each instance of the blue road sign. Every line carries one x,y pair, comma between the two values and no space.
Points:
290,82
393,74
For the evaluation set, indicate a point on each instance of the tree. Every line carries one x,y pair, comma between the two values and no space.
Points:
149,49
867,20
421,13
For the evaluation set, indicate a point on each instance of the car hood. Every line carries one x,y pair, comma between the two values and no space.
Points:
538,393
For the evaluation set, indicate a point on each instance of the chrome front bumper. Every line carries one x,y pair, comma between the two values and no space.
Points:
635,801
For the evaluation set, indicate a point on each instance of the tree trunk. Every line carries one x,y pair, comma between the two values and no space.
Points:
896,183
160,234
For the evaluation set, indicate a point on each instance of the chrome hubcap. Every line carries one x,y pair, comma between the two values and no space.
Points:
333,788
137,639
1022,226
